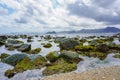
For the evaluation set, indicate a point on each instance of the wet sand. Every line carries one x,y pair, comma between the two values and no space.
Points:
108,73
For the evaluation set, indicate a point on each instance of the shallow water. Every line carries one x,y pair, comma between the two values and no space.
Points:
91,63
3,68
88,63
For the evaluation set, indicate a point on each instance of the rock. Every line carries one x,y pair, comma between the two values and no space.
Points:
35,51
14,37
2,43
48,45
67,43
113,46
85,48
65,62
70,56
29,40
93,43
117,56
3,40
61,67
13,43
4,55
27,64
103,48
23,36
24,48
33,57
9,73
53,56
99,55
30,37
14,59
10,48
36,36
47,37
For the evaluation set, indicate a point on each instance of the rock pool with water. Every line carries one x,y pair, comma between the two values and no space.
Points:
87,63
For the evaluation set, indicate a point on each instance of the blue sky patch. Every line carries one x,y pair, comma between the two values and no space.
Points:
10,10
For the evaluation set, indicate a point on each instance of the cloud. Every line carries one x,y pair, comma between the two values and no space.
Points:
101,11
48,15
3,11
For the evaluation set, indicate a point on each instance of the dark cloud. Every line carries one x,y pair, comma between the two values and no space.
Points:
106,16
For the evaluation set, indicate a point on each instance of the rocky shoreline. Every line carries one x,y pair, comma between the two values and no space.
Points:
107,73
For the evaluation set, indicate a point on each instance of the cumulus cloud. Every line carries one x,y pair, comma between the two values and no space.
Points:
48,15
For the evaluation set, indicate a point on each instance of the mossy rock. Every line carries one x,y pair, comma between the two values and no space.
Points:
9,73
14,59
35,51
83,40
10,48
4,55
93,43
117,56
85,48
67,43
23,65
23,36
103,48
14,43
39,62
3,38
59,68
47,37
27,64
52,56
114,47
99,55
24,48
30,37
48,45
29,40
2,43
70,56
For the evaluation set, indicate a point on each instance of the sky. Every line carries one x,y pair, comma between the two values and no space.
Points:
58,15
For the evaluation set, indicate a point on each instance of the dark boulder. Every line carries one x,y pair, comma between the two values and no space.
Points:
14,59
103,48
24,48
13,43
67,43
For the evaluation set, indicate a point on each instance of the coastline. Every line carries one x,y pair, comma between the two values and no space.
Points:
107,73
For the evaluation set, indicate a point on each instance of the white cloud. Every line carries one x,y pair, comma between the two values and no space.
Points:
46,15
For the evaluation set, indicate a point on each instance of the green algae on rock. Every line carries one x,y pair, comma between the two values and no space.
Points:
26,64
35,51
24,48
14,59
10,73
117,56
85,48
60,66
67,43
52,56
70,56
48,45
4,55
